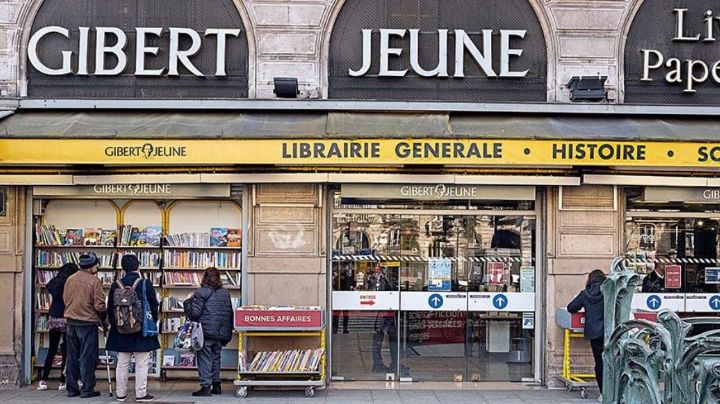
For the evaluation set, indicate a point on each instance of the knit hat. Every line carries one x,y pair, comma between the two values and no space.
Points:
88,260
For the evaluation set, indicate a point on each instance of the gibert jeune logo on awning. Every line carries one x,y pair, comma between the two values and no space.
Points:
146,151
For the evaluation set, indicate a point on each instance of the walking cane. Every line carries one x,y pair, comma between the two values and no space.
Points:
107,365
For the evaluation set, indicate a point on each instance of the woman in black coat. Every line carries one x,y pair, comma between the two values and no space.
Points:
210,306
592,300
56,325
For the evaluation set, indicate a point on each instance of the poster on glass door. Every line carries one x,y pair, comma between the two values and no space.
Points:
439,274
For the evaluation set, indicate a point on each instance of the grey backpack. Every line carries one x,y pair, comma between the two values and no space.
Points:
128,308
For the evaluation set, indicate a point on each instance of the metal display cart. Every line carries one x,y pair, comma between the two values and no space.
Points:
268,325
573,325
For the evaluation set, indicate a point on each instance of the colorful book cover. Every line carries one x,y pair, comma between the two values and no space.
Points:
168,360
134,236
74,237
187,359
218,236
92,236
153,234
142,238
234,237
107,237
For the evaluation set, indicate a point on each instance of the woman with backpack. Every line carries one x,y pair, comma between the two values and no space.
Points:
56,325
126,335
212,308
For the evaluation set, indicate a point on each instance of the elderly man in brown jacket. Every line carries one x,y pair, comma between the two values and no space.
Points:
85,310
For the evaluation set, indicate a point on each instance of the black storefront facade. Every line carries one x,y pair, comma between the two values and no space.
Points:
434,159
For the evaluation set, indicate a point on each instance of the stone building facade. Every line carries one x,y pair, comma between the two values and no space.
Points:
583,226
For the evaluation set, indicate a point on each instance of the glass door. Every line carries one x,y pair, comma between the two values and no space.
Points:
433,295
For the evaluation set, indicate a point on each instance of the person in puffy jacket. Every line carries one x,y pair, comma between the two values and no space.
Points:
212,308
56,325
591,299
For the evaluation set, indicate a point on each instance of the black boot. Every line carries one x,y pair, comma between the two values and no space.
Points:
216,389
203,392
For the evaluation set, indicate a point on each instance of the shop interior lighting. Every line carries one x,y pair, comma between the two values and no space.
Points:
587,88
285,87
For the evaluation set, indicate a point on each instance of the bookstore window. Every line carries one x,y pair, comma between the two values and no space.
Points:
671,238
391,258
174,240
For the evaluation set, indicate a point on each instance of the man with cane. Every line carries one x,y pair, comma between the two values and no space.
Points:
85,309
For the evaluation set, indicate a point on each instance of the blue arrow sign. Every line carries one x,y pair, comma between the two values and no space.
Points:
435,301
500,301
654,302
714,302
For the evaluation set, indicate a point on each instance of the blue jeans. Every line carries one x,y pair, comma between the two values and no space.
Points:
82,346
208,362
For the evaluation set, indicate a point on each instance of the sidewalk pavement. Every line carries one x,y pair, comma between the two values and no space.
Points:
179,393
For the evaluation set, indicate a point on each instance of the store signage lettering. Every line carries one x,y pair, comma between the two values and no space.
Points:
146,151
711,194
111,41
137,191
680,69
362,152
133,189
463,45
320,150
438,191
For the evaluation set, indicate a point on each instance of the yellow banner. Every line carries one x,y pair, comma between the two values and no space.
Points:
366,152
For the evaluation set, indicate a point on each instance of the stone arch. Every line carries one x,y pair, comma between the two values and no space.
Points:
330,18
30,9
627,20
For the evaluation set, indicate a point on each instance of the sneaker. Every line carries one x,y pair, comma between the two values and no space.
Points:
147,397
62,387
42,385
121,399
90,394
600,398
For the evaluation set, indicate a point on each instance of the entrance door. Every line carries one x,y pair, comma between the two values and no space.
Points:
434,295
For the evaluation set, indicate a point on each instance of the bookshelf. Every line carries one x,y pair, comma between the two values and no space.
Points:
174,240
280,347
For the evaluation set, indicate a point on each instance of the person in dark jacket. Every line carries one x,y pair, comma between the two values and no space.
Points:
210,306
591,299
56,325
129,345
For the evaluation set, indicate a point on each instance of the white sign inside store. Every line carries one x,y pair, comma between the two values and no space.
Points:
510,301
658,301
112,41
365,300
434,301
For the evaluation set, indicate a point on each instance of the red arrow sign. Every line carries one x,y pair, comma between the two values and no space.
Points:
368,302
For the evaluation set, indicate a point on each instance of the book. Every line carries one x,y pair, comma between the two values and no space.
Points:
92,236
153,234
187,360
134,237
74,237
218,236
168,360
234,237
107,238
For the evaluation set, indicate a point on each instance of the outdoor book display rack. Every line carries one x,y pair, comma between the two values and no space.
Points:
573,326
300,331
